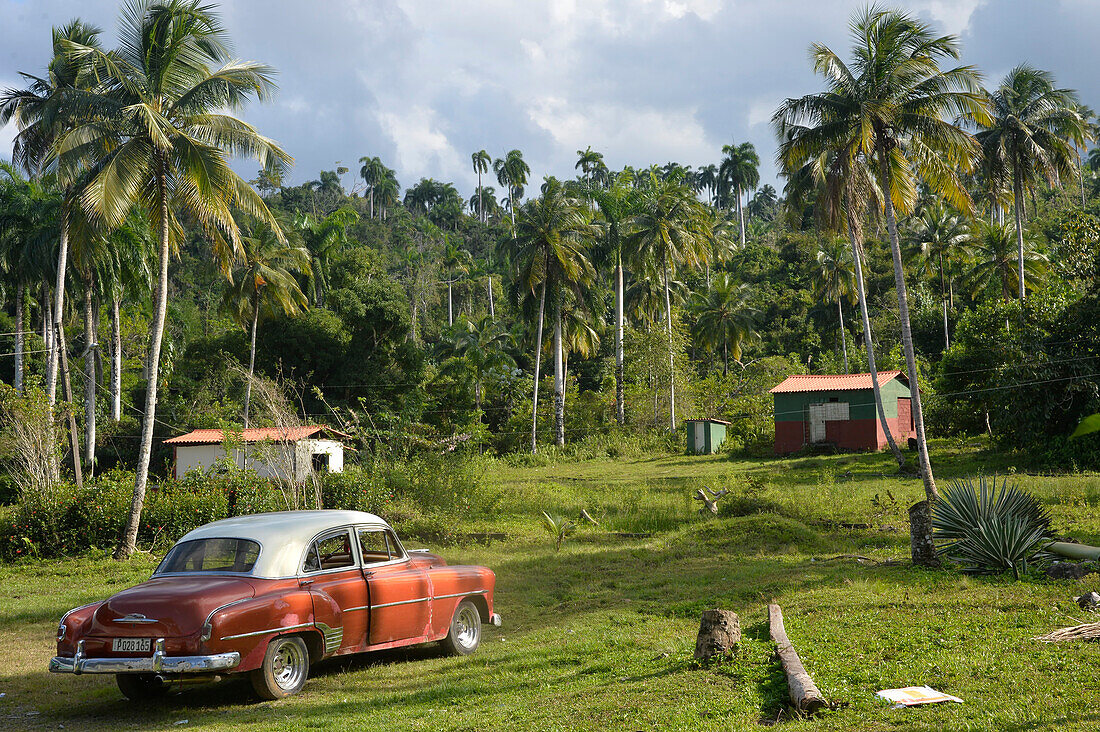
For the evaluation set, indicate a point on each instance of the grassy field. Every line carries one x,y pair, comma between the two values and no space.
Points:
599,636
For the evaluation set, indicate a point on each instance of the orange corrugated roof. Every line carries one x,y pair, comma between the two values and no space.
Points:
831,382
255,434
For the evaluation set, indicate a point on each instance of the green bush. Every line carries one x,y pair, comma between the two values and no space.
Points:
356,489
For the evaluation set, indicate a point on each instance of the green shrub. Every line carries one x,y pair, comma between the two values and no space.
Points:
356,489
989,529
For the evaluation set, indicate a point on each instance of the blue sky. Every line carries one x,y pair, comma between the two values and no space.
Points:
423,83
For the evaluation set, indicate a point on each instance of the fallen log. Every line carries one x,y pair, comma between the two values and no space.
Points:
1083,632
1073,551
803,692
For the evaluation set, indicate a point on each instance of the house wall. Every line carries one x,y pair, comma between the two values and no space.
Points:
203,457
862,431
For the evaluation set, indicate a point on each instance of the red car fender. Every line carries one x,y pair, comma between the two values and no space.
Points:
246,626
76,623
452,585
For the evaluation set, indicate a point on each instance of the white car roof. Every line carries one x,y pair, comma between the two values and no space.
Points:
282,536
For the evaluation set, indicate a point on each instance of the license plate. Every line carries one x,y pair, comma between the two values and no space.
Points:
132,645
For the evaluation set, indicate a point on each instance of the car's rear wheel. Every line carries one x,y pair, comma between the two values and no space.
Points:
465,634
284,670
140,687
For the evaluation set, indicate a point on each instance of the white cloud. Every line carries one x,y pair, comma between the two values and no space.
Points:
421,145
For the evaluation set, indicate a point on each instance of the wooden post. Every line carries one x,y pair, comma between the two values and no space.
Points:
804,694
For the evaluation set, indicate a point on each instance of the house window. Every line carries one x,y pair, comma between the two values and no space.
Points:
320,462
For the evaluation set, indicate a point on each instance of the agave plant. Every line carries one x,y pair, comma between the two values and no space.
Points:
989,528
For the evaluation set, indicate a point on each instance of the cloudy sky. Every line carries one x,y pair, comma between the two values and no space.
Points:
423,83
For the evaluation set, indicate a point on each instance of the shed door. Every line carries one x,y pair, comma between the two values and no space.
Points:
817,422
905,414
700,437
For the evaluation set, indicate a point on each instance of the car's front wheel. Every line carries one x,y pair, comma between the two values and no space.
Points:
465,634
140,687
284,670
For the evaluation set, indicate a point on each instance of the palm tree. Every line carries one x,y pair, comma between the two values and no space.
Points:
44,112
386,193
939,241
550,256
158,138
708,179
738,173
896,95
477,350
130,272
834,279
512,172
588,160
615,205
373,172
995,264
1034,132
322,238
481,161
671,228
456,262
724,318
264,280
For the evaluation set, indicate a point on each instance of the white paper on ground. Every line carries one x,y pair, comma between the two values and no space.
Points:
911,696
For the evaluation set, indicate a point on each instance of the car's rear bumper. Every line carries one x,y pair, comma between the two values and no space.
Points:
158,663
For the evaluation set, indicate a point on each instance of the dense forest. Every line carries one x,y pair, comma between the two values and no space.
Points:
930,221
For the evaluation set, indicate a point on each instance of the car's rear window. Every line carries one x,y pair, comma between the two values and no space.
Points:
211,555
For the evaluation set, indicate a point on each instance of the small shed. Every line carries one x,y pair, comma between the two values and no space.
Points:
840,410
705,436
301,449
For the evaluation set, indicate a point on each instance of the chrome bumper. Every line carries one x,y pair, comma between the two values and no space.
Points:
494,619
157,663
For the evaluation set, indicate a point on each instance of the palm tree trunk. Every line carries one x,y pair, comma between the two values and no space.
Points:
58,303
1018,193
868,340
20,315
538,362
620,386
492,307
89,380
74,440
671,355
116,361
922,547
412,325
740,215
128,542
47,321
559,381
450,305
512,206
372,202
843,338
943,298
480,205
251,354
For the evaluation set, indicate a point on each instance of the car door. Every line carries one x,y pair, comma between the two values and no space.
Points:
331,568
400,594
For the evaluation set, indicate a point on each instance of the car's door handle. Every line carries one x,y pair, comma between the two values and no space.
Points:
305,583
368,574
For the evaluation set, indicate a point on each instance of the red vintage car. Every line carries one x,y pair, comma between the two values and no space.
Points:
270,594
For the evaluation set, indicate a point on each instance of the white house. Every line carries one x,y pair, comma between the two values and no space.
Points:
269,451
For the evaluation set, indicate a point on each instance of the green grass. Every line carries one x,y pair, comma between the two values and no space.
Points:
599,636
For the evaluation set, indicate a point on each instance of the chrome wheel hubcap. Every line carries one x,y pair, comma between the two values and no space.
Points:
467,627
288,666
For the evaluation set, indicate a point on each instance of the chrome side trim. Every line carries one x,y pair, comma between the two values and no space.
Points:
266,632
129,620
333,636
159,663
461,594
353,609
223,607
401,602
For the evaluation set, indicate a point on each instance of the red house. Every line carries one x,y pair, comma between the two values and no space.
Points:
840,410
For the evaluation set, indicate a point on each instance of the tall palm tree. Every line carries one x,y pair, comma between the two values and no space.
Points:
724,318
1033,132
386,193
158,138
132,250
708,179
550,255
671,228
904,104
456,262
615,205
939,242
481,161
738,173
373,172
44,111
588,161
322,239
994,263
834,279
263,280
512,172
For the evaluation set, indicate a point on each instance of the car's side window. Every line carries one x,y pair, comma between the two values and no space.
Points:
395,549
373,546
330,552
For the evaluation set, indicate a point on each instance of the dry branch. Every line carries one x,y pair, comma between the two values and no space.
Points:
804,693
1085,632
709,504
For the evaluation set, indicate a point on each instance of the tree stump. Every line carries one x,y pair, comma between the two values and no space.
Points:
920,535
719,634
